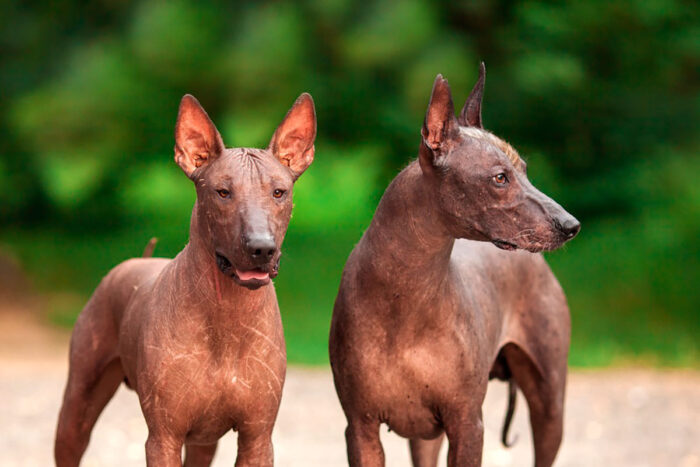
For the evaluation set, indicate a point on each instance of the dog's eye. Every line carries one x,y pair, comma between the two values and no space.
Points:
500,179
224,193
278,193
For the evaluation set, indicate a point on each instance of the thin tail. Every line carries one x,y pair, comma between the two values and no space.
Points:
512,392
148,251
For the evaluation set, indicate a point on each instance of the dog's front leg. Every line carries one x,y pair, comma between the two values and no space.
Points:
364,446
255,447
163,449
465,433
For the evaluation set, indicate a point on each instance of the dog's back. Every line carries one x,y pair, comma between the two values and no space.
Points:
113,294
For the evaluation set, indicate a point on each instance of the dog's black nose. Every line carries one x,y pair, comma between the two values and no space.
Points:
569,226
261,248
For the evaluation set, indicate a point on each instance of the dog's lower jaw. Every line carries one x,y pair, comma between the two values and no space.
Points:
503,245
532,245
544,245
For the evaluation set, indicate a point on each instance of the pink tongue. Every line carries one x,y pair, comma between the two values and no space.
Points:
248,275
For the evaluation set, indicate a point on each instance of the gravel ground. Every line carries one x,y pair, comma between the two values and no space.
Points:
614,417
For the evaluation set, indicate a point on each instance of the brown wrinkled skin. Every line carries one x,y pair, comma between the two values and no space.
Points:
203,349
427,310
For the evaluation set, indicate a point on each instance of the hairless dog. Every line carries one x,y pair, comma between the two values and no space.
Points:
199,338
430,305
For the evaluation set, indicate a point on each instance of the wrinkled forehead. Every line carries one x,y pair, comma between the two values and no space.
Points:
248,167
486,137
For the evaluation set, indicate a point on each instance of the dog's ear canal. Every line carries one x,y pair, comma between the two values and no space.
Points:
471,112
439,125
293,141
197,141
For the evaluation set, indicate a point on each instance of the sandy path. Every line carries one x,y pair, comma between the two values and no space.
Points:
614,417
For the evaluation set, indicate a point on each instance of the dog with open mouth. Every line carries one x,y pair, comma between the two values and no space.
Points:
199,337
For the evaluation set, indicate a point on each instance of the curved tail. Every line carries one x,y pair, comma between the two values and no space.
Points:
512,392
148,251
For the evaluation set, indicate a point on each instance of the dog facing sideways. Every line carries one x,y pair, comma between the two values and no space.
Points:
434,300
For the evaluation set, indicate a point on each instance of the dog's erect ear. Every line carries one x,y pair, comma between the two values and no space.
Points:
471,112
293,141
439,125
197,141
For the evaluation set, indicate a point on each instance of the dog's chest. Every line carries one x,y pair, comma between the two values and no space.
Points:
222,396
405,385
210,392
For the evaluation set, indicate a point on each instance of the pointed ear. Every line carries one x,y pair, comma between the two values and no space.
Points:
471,112
439,125
197,141
293,141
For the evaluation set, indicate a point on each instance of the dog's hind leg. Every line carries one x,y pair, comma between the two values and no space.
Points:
536,350
85,397
425,452
544,393
94,375
199,455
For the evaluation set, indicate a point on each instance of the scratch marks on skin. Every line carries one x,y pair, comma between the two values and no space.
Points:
216,283
272,391
181,397
178,295
267,367
235,380
483,135
270,341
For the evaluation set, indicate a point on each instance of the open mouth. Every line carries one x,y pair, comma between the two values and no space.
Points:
252,278
503,245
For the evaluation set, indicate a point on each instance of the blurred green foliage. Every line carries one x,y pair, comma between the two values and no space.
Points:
602,99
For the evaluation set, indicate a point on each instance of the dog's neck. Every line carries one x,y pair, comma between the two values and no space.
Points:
407,243
198,273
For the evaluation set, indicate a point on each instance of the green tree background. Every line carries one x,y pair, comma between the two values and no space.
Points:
602,99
